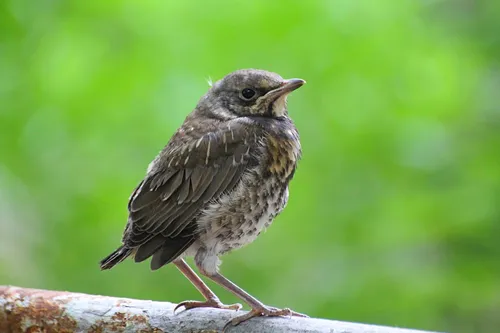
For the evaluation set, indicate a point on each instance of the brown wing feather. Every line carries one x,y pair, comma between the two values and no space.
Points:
181,182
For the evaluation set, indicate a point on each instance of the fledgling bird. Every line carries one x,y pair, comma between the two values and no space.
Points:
218,183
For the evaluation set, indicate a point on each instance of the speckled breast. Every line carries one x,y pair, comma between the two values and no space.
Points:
237,218
283,156
262,195
251,212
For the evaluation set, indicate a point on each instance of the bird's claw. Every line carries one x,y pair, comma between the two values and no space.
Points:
211,303
266,311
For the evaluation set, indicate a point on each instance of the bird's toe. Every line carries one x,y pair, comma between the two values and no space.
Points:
212,303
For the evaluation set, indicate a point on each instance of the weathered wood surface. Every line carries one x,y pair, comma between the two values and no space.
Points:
32,310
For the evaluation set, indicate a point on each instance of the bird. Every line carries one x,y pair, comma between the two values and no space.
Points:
219,182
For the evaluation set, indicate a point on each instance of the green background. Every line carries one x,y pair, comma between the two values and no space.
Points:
394,212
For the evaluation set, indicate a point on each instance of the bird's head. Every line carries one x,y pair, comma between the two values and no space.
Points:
250,92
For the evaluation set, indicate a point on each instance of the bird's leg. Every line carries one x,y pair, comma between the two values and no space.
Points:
258,308
211,300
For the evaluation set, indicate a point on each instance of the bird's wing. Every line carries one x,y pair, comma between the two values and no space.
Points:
182,182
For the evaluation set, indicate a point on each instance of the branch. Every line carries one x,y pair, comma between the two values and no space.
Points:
32,310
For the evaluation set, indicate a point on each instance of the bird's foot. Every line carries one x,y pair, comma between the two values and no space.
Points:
266,311
210,303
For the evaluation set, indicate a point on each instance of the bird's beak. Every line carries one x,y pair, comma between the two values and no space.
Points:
292,84
286,87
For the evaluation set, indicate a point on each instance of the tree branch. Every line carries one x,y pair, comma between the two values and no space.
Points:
32,310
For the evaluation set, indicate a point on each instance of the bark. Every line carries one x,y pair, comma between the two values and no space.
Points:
32,310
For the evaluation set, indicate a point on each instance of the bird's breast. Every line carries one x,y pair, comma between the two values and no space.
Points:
239,217
283,154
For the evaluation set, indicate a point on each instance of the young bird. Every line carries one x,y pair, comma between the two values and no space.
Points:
218,183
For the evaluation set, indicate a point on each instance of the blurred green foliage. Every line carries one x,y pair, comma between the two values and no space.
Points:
394,213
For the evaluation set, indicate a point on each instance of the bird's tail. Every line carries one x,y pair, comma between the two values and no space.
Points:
116,257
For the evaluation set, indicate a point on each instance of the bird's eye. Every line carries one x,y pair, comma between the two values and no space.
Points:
247,93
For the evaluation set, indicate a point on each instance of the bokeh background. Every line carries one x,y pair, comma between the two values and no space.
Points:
394,214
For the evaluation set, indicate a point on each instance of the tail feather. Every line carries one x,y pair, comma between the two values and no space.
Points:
116,257
170,251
